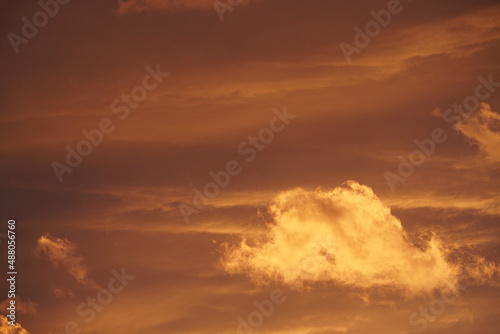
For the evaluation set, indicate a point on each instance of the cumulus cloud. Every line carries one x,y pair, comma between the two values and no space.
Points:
344,236
137,6
483,128
5,328
62,252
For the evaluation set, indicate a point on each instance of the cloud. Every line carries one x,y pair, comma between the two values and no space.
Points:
431,200
62,252
5,328
138,6
483,128
345,236
63,293
26,307
476,270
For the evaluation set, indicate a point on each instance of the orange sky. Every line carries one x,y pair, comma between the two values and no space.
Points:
313,221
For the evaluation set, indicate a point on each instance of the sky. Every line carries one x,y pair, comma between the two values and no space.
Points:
254,166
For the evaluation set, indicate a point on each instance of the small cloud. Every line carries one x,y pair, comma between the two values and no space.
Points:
343,236
62,252
5,328
483,128
437,112
63,293
25,307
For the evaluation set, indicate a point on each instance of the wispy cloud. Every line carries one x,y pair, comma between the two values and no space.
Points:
131,6
23,306
62,252
483,128
63,293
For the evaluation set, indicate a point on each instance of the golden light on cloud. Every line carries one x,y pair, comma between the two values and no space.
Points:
5,328
345,236
368,256
62,252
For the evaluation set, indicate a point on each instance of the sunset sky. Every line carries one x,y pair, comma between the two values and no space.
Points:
261,166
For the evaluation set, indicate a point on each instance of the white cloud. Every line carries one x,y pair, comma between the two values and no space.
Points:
344,236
